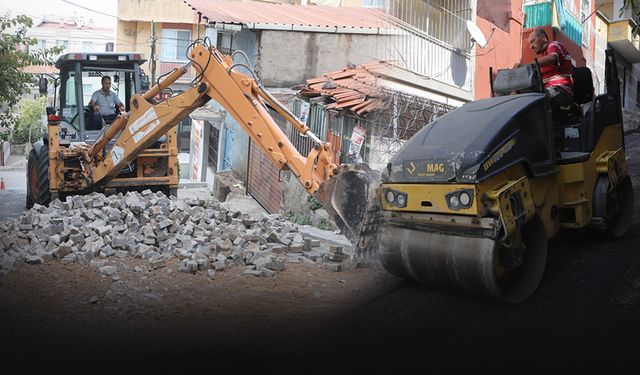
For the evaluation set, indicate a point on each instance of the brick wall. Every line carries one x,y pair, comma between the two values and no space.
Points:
263,184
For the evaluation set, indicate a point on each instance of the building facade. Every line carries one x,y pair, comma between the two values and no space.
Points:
588,28
73,35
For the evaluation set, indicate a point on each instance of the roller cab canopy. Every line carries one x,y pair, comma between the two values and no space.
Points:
478,140
116,60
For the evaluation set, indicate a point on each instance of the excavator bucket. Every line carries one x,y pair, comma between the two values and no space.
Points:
350,199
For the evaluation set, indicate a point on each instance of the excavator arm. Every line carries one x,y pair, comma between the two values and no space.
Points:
345,198
239,94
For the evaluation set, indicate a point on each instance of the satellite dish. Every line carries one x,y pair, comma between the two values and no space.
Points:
476,34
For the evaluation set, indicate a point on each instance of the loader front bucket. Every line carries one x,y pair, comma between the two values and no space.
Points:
348,197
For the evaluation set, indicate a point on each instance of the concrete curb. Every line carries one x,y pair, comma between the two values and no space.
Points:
191,185
12,168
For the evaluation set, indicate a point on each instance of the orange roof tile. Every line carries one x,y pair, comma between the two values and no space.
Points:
356,89
40,69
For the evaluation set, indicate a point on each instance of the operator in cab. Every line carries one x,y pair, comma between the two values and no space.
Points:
556,69
105,105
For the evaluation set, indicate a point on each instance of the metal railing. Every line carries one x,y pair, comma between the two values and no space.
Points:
540,13
444,20
431,40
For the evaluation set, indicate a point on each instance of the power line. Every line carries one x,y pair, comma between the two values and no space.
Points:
89,9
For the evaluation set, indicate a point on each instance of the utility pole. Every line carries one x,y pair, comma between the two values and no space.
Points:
153,54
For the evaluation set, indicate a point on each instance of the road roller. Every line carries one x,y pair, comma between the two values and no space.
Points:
470,202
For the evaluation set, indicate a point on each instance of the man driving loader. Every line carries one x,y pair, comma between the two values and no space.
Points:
103,104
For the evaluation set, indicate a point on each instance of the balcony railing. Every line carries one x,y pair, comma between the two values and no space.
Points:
167,66
620,36
416,51
226,51
541,14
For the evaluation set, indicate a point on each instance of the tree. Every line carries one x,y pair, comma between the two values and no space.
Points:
635,6
14,57
29,126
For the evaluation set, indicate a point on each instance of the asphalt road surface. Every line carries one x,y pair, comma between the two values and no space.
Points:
585,314
13,198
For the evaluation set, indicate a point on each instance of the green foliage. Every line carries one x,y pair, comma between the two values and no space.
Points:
298,218
14,57
326,225
7,122
635,6
305,219
310,217
314,204
29,127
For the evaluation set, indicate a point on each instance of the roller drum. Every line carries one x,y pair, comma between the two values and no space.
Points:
470,264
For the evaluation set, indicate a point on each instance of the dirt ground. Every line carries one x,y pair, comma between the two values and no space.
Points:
59,308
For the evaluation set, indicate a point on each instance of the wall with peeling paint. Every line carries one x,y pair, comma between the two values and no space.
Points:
288,58
247,42
505,46
155,10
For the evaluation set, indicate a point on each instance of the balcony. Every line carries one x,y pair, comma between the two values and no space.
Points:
540,14
551,13
164,67
620,37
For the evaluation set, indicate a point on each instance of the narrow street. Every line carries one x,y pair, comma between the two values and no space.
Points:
240,182
13,198
585,314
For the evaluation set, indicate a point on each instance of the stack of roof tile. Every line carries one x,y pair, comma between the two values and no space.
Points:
355,89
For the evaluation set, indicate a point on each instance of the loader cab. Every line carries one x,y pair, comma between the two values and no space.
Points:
80,77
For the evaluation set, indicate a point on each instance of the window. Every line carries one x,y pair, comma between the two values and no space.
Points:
174,44
42,44
570,6
212,157
87,46
374,4
64,44
585,11
225,43
68,104
184,135
108,47
447,21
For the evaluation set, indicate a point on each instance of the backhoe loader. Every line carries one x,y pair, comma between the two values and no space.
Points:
138,150
55,170
469,202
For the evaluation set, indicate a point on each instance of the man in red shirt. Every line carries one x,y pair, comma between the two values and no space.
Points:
555,66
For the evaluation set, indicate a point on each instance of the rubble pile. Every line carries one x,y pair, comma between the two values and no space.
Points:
201,234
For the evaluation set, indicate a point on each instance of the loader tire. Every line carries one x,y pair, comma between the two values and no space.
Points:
38,175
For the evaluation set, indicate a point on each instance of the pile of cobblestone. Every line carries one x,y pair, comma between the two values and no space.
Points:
204,236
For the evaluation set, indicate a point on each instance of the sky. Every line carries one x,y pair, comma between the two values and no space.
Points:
36,9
